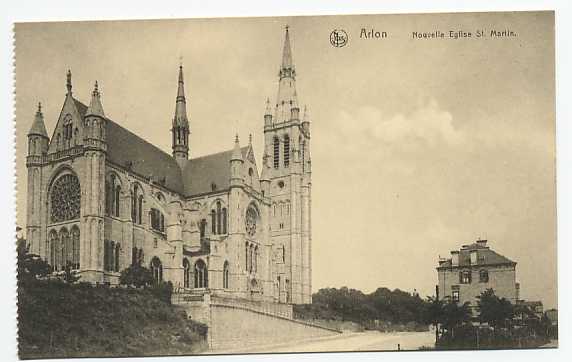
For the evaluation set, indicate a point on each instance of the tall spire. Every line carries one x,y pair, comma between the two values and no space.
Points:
180,118
38,127
95,108
69,82
287,52
286,100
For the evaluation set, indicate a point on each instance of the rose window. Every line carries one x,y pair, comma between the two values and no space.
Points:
251,222
65,199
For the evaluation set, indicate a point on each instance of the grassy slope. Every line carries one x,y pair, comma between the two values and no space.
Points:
58,320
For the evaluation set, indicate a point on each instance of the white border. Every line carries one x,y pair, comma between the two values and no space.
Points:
24,10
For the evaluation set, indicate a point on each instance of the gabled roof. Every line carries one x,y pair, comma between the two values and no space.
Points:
485,256
201,173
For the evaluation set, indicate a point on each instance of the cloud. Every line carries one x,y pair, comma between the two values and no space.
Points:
426,126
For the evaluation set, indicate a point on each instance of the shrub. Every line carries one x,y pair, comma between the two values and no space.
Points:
137,276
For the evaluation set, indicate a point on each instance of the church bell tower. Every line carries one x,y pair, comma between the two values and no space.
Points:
287,141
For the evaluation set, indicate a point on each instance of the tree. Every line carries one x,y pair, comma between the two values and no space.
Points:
30,266
494,310
433,313
455,315
136,275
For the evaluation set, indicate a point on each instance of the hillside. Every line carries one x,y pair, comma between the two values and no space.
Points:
62,320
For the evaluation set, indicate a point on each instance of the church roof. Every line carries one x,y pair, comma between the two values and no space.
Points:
132,152
201,173
128,150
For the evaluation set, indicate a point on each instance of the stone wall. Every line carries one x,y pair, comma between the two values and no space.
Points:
238,322
232,327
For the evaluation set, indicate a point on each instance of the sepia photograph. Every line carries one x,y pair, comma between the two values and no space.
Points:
253,185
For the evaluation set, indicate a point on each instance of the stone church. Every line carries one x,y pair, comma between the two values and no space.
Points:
101,198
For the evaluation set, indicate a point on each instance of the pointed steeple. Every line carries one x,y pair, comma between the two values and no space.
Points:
69,82
38,127
287,52
95,108
180,118
286,100
236,152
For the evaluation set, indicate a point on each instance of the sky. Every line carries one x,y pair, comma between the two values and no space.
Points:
418,145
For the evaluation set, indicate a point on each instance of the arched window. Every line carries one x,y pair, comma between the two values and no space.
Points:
116,253
201,275
251,258
246,256
157,220
213,222
484,276
250,222
203,228
75,247
256,259
108,255
276,152
65,198
65,246
117,198
224,220
108,191
286,150
157,270
136,204
140,210
187,273
218,218
54,246
283,254
225,275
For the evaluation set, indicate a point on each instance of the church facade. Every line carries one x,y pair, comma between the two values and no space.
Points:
101,198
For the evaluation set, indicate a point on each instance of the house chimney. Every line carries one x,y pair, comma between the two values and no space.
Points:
481,243
454,257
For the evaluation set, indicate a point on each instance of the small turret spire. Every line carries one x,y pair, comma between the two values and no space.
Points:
95,108
69,81
236,153
181,119
38,127
268,110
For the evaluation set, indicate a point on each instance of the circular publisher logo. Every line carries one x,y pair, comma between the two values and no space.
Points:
338,38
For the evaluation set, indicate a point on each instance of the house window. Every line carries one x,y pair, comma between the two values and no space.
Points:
455,296
465,277
484,276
